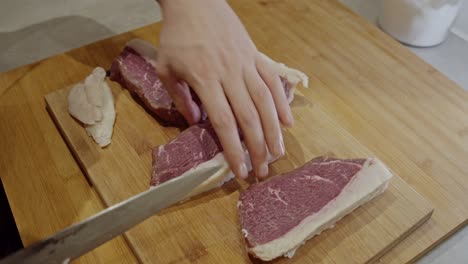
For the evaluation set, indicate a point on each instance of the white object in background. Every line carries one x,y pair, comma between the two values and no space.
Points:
420,23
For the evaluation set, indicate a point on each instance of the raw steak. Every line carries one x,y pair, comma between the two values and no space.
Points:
195,148
279,215
195,145
138,74
135,69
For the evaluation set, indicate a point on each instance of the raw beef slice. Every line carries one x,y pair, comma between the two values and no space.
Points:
138,74
195,148
279,215
135,69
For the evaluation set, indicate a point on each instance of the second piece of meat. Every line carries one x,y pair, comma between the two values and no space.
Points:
135,69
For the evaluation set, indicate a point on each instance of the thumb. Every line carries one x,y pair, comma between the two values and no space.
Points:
180,94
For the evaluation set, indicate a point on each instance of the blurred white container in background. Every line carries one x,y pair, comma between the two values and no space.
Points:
421,23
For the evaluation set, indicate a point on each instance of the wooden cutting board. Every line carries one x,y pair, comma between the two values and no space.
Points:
206,229
384,96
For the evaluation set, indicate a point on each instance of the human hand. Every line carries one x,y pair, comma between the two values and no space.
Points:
204,44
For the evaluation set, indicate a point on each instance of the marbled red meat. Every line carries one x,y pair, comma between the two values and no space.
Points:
195,145
135,70
294,196
280,214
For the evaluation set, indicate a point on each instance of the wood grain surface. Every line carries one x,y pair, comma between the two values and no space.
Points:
207,229
374,90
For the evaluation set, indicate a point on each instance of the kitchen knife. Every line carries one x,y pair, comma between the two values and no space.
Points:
80,238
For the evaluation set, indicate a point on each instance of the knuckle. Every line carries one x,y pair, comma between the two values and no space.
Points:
235,157
260,92
225,63
162,70
222,120
248,117
201,65
258,152
229,59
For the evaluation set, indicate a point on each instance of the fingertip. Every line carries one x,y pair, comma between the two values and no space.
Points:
262,170
287,119
242,171
193,113
281,149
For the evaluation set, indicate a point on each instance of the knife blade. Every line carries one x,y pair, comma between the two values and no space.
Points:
80,238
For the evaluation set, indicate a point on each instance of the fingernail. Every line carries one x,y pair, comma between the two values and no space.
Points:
282,149
243,173
290,118
279,148
262,170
